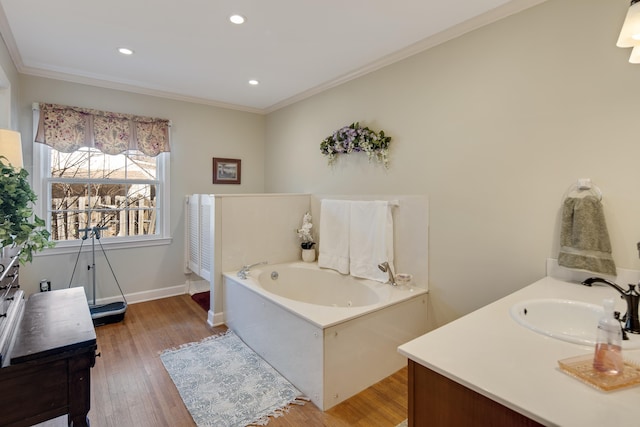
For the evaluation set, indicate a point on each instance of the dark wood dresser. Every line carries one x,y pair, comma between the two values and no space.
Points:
46,367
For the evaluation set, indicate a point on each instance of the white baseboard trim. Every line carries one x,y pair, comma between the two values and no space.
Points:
216,319
213,319
147,295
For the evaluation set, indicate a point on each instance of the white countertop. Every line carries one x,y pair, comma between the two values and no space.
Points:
488,352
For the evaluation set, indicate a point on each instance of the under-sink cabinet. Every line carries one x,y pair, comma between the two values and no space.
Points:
435,400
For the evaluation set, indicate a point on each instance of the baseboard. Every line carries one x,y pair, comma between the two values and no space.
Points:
147,295
216,319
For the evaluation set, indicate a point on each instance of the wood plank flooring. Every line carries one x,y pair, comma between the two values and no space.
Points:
130,386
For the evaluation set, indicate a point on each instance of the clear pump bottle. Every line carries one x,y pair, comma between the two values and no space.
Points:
608,353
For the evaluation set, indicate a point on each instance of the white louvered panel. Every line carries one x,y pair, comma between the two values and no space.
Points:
193,233
206,233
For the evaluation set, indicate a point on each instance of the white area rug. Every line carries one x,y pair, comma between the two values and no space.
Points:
223,383
405,423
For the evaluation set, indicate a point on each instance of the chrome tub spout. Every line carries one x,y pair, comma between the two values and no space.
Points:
242,273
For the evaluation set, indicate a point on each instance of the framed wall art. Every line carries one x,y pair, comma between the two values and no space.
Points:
226,171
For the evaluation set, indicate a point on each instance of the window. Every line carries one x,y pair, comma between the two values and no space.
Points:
125,194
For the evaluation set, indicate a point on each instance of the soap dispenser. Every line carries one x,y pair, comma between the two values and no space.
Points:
608,354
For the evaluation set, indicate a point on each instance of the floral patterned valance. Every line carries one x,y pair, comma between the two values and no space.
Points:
69,128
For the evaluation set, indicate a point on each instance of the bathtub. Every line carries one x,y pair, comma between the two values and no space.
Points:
329,334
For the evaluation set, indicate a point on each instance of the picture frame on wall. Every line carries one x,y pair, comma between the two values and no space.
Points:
226,171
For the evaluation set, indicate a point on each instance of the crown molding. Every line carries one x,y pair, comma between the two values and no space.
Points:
132,87
487,18
501,12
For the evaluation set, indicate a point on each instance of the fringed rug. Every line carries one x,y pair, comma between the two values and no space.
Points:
223,383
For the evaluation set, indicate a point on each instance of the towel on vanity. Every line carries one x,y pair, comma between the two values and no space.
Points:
371,239
584,239
334,235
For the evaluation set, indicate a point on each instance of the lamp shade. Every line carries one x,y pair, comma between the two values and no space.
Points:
11,147
630,33
635,55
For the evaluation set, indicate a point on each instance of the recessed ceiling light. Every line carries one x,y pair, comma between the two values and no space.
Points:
125,51
253,82
237,19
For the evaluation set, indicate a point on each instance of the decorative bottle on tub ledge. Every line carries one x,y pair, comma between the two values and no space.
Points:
308,255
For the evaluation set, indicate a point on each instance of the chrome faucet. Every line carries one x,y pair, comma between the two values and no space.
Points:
386,268
242,273
632,298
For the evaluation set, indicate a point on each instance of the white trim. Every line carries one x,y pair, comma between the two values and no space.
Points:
216,319
144,296
40,158
164,196
72,246
509,8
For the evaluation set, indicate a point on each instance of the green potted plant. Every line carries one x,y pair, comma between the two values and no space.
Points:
19,227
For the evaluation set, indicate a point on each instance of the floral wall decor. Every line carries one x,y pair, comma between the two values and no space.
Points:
354,138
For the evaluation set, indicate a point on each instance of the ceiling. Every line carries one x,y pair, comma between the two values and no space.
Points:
189,50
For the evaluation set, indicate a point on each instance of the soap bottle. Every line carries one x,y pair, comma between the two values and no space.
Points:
608,354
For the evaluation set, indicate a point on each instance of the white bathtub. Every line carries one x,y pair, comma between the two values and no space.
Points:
330,335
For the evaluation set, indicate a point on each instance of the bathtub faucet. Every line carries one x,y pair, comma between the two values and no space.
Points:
245,269
385,268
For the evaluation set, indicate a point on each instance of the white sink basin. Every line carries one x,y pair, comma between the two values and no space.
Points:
566,320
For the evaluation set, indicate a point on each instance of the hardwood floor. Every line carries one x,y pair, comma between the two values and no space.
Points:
130,386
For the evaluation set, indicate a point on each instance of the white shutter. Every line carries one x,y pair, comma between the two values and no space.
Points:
199,234
193,233
206,236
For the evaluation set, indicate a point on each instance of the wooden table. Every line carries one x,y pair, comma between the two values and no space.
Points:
50,362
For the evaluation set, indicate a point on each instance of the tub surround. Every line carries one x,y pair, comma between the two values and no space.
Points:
490,354
410,231
226,231
329,353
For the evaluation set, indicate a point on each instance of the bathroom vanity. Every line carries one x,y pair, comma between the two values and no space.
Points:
485,369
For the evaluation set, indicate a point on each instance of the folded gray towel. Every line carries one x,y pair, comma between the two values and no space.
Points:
584,239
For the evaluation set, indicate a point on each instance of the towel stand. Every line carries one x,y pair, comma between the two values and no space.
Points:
581,187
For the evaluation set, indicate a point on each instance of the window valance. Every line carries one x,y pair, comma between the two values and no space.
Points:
69,128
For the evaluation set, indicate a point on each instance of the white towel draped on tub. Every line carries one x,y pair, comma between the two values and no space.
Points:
371,239
334,235
356,236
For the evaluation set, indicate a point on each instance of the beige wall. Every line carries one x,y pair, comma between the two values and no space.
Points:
8,90
198,133
493,127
